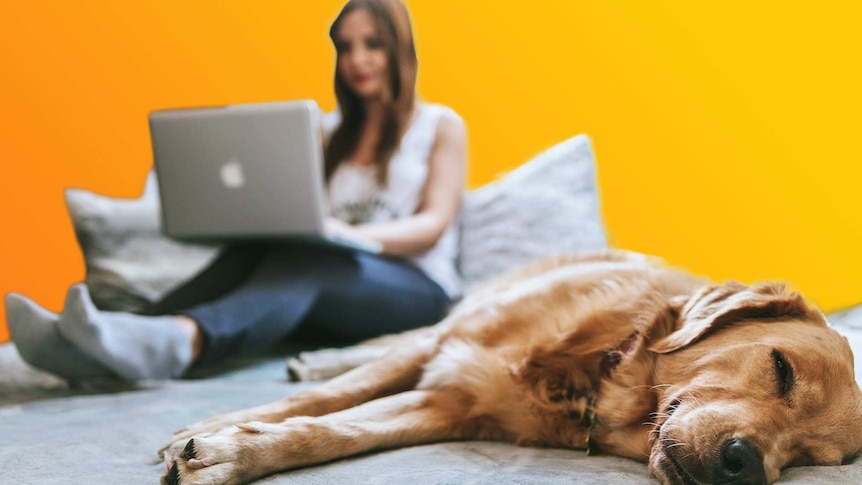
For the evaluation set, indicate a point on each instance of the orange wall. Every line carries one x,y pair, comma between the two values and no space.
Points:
726,134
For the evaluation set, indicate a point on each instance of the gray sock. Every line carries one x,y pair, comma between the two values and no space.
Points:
34,331
133,346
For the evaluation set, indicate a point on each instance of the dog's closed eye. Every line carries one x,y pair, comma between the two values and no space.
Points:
784,373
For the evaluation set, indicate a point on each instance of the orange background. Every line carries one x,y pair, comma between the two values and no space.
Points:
726,134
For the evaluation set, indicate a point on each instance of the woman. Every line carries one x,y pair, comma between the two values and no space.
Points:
395,171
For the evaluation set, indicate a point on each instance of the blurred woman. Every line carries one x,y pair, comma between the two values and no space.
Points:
395,170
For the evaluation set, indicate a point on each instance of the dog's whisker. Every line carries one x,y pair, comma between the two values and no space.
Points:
657,387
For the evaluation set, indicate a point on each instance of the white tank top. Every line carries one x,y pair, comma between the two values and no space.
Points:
355,196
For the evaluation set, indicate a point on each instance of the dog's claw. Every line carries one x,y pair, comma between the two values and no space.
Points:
189,450
292,375
173,477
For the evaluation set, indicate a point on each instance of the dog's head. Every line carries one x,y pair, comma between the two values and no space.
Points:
754,381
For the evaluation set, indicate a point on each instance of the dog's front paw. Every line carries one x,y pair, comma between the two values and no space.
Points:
222,458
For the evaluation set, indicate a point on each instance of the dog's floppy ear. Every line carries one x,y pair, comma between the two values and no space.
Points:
716,306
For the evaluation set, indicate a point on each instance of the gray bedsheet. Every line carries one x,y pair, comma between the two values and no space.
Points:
104,433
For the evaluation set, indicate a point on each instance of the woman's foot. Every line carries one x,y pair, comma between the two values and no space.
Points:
134,346
40,343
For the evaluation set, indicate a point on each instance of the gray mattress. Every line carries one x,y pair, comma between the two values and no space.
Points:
105,433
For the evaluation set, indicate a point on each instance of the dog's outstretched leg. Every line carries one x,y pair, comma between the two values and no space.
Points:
248,451
396,372
318,365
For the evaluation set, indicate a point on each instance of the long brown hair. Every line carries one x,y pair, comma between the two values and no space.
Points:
396,34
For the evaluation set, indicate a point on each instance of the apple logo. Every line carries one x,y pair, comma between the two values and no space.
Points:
232,175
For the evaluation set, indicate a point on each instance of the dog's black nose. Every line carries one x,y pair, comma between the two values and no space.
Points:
740,463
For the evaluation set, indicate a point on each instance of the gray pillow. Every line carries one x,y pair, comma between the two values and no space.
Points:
548,205
129,263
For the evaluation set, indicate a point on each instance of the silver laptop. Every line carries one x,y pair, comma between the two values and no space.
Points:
252,171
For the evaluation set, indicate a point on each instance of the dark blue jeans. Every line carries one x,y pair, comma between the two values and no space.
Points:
255,295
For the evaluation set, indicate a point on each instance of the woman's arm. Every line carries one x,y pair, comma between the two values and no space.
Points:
441,198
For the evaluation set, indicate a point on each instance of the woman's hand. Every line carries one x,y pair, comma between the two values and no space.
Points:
342,230
338,228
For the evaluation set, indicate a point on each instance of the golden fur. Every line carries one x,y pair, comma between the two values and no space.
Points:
609,352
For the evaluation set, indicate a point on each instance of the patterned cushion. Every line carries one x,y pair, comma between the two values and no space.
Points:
129,262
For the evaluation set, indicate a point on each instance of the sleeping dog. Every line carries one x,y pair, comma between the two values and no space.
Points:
609,352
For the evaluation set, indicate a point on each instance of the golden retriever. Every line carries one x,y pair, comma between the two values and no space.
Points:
609,352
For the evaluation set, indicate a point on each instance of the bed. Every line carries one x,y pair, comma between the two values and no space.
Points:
53,431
